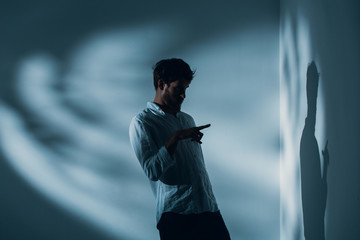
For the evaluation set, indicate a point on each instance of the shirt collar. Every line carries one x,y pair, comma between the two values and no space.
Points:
154,107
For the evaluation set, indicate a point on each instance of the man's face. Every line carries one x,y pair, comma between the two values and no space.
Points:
174,94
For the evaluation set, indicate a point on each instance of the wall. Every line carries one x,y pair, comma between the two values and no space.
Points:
74,73
327,33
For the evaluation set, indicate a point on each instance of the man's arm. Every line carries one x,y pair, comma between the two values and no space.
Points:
193,133
156,161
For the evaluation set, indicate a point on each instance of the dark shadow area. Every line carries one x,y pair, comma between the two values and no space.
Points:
313,180
25,214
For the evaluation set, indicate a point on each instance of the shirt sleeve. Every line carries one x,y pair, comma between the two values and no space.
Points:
154,160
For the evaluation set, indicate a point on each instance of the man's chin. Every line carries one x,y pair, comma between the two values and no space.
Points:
176,107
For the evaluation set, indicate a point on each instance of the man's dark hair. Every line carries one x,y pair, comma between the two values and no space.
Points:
170,70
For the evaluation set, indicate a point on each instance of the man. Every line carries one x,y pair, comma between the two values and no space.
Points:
167,145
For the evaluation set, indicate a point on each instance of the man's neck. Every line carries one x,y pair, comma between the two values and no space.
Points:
166,108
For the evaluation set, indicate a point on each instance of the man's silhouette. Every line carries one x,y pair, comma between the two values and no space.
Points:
167,145
313,184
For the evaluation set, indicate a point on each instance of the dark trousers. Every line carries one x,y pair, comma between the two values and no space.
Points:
209,226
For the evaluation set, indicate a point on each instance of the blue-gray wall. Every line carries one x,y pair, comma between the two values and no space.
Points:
73,73
327,33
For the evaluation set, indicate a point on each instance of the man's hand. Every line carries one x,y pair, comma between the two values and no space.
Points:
193,133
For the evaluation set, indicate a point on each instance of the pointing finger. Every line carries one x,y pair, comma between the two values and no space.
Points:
202,127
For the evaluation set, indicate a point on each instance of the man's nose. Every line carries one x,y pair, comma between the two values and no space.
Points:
183,96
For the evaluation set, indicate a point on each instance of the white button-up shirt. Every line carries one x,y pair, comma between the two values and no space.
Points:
180,183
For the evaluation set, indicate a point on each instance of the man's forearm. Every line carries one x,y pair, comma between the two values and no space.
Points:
191,133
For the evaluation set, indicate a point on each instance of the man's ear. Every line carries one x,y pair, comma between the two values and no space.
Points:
161,84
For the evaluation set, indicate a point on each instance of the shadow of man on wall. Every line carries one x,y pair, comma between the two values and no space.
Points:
313,182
